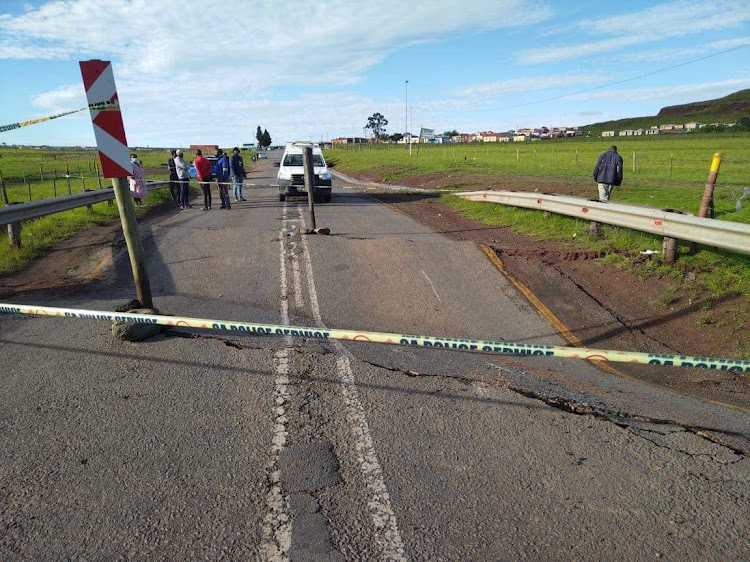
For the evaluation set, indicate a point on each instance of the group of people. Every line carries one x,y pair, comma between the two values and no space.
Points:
227,169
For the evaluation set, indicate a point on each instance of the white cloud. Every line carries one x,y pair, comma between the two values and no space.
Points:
180,78
656,23
705,90
530,84
65,97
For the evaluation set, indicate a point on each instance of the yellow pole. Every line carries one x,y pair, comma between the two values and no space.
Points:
707,204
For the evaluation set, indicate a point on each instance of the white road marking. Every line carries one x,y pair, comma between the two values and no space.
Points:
384,519
277,525
431,285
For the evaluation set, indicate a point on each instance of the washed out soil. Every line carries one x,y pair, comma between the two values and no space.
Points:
607,307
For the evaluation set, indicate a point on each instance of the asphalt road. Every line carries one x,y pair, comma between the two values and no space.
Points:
202,446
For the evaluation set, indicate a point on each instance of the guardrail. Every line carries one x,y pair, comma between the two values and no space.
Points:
672,225
13,215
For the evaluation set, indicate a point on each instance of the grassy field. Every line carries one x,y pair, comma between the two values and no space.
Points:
30,174
40,235
572,162
669,172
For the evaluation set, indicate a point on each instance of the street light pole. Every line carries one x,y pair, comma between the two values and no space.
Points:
406,110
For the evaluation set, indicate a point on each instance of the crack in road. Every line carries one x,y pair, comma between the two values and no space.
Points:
618,418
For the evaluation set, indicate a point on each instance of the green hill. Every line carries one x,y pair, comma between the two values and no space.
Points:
722,110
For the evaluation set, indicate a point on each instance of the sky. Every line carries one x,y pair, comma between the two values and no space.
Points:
210,73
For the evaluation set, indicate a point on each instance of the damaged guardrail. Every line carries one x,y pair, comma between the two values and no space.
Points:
13,215
671,224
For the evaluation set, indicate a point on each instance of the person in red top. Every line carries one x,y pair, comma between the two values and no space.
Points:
203,169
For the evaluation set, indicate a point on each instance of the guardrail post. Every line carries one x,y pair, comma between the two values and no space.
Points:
669,250
14,234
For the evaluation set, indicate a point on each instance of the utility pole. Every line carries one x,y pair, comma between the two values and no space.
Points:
406,110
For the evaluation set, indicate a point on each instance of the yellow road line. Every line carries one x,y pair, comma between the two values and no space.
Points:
568,335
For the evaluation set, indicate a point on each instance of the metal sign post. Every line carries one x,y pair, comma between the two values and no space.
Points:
109,131
307,164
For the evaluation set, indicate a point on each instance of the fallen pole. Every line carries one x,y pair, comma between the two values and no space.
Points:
456,344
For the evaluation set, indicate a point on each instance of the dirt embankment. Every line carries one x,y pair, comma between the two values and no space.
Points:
610,308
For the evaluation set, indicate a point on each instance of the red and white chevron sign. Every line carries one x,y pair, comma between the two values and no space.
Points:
104,106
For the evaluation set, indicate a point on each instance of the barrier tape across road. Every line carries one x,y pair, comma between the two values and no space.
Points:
485,346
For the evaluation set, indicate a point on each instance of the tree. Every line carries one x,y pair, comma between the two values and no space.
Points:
743,124
452,133
259,136
395,137
376,123
265,139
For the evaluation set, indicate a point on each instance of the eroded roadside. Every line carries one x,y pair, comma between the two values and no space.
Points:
606,307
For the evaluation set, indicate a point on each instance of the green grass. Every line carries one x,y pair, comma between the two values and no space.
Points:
40,235
722,273
29,174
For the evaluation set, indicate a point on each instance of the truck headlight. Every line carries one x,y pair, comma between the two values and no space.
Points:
325,175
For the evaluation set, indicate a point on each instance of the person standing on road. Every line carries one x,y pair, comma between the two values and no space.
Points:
174,184
203,169
608,172
138,181
183,176
237,171
222,178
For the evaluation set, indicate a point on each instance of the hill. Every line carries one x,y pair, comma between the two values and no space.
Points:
722,110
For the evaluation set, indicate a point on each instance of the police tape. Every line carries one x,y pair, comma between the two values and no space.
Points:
13,126
484,346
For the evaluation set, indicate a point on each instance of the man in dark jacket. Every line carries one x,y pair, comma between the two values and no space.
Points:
222,178
174,184
237,171
608,172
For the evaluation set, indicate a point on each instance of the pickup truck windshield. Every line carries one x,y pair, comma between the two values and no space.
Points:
296,160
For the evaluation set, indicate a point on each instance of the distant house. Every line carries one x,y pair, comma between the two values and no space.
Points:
638,132
693,125
667,127
503,138
653,131
207,148
519,138
626,133
608,133
351,140
489,136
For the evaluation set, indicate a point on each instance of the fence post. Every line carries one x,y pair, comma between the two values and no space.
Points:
2,187
67,176
576,157
518,155
707,204
41,173
634,162
671,156
28,185
54,183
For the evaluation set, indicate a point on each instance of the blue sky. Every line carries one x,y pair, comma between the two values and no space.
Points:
312,70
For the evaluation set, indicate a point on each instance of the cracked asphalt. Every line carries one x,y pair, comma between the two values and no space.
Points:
199,446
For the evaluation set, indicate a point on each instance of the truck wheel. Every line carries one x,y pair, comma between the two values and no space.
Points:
282,197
